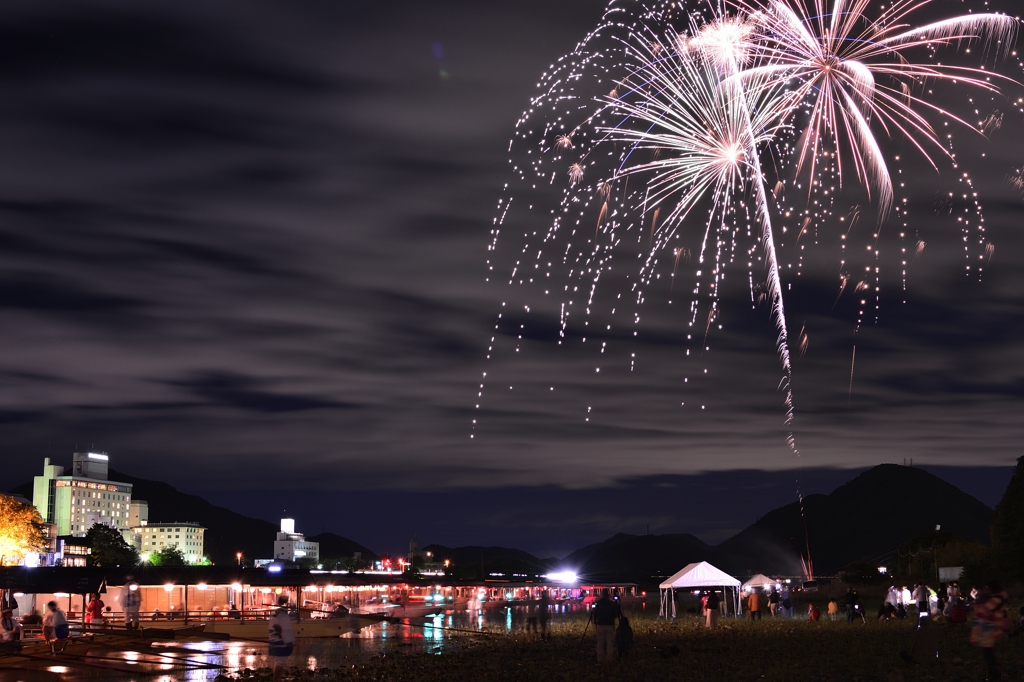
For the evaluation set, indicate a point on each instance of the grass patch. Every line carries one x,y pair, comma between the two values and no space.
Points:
771,650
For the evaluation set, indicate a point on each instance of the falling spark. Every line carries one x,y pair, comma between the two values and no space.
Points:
853,363
694,114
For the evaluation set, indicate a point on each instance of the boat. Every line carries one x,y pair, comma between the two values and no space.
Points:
304,629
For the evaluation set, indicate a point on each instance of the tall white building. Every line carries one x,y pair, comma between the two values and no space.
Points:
76,502
292,546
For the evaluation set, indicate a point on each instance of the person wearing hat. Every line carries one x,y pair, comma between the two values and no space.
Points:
281,641
10,629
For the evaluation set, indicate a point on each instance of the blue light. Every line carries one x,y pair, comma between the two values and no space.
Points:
274,568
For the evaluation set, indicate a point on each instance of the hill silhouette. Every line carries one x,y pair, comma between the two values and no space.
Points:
467,561
333,546
867,518
637,557
227,532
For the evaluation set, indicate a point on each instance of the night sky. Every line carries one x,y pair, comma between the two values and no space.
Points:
244,251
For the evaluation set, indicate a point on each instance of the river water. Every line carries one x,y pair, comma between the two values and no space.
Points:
434,634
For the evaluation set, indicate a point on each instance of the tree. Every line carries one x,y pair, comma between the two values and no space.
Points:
168,556
1008,527
21,531
109,547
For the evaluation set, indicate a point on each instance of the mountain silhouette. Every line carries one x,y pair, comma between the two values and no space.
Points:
629,557
867,518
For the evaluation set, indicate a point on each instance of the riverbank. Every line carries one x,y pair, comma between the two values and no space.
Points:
770,650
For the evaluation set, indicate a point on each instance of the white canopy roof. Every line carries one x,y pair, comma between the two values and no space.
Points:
701,574
759,580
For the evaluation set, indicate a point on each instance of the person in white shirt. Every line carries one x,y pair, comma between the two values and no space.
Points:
55,625
131,602
281,641
10,629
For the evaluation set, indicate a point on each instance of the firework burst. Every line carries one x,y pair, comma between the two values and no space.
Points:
691,114
853,69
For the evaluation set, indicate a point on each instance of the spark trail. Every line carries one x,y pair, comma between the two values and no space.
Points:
692,116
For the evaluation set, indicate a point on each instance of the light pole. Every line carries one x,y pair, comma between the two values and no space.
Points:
239,557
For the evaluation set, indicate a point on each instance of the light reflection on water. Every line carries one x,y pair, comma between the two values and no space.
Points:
431,634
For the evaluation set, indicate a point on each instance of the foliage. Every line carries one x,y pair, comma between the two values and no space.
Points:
20,531
109,547
349,563
863,572
168,556
1008,528
921,557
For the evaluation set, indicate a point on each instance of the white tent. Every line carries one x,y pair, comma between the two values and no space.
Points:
700,574
759,581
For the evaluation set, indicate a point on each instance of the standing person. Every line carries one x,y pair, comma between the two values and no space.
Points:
10,629
94,611
281,639
131,601
990,624
851,604
754,605
787,603
943,597
604,614
921,597
773,602
833,609
55,624
542,613
711,609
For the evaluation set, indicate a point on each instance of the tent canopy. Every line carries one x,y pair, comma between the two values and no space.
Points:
759,580
700,574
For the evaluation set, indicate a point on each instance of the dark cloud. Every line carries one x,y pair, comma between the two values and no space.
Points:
246,393
234,236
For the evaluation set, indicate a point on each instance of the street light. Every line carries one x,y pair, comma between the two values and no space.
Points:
239,557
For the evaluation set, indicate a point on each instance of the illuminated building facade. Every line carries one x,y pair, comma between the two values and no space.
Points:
85,497
292,546
186,536
72,551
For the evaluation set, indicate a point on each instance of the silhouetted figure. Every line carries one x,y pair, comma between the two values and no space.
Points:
711,609
604,614
542,613
624,637
851,604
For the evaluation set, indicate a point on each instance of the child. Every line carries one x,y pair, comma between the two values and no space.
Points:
833,610
813,613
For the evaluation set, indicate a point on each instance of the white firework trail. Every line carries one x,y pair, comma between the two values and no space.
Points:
687,117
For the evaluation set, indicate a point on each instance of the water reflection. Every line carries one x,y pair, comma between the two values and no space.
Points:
204,660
